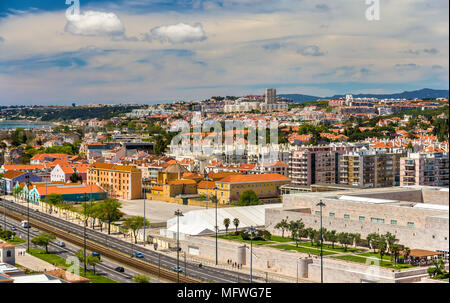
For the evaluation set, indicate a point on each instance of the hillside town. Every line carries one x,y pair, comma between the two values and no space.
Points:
380,166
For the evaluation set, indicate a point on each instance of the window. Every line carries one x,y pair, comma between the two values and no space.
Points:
346,216
318,212
8,254
362,218
394,222
377,220
331,214
410,223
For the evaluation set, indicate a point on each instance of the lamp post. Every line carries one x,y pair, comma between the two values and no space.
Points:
145,239
252,230
321,204
4,201
27,177
179,214
217,226
84,234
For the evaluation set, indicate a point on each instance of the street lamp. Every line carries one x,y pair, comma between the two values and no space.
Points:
145,239
217,226
84,234
179,214
252,231
321,204
27,177
4,200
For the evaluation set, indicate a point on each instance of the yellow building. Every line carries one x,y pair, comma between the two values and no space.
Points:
119,181
266,186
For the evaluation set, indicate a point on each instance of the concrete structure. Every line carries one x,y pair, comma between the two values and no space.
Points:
430,169
418,217
7,253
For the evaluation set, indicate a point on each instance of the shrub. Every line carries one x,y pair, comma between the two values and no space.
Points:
266,235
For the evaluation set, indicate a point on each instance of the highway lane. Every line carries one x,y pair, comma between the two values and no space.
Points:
106,267
206,273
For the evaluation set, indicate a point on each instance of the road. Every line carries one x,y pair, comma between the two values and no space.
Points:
105,268
205,273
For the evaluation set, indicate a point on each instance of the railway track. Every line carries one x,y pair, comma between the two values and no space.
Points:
108,252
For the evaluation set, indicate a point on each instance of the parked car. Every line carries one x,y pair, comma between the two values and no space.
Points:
138,255
61,243
177,269
120,269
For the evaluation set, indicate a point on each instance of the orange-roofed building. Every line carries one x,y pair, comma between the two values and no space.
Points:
120,181
265,186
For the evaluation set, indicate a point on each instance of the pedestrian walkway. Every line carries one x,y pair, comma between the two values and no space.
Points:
31,262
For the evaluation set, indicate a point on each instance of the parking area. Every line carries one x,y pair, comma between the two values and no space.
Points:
155,211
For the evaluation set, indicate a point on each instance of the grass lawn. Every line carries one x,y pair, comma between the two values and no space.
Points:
337,248
303,249
363,258
16,241
61,263
239,238
280,239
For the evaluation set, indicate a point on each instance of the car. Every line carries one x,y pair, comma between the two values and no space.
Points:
138,255
96,254
36,210
61,243
13,228
120,269
177,269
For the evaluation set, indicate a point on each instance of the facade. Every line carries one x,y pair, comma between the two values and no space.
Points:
430,169
266,186
271,95
418,217
317,164
63,172
13,177
120,181
363,168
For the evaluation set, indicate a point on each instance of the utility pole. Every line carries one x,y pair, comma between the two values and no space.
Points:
145,239
84,245
4,200
27,177
321,204
217,228
252,230
179,214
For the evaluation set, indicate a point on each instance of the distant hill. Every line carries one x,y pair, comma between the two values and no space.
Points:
421,94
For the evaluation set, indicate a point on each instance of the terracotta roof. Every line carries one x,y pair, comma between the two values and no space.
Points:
23,166
254,178
66,189
108,166
420,253
182,182
11,174
6,245
206,184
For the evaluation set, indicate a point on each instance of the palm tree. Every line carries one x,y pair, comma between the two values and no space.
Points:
372,240
356,238
332,237
296,228
390,240
283,225
382,247
236,223
395,251
226,222
406,252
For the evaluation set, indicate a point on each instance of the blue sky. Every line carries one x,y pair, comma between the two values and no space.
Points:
147,51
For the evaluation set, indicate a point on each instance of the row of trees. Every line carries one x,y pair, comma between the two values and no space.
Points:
298,231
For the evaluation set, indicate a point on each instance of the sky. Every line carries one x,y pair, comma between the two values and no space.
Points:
148,51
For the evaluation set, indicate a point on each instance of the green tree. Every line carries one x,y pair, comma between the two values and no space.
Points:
226,222
345,239
296,228
109,211
53,200
310,233
372,239
248,197
283,225
134,224
141,279
332,237
236,223
92,261
43,240
382,246
75,178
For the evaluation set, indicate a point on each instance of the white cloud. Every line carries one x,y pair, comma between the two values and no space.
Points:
179,33
92,23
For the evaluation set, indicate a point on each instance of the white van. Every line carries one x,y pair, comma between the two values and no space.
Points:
25,224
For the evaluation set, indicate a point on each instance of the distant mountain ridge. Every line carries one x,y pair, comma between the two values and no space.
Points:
421,94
